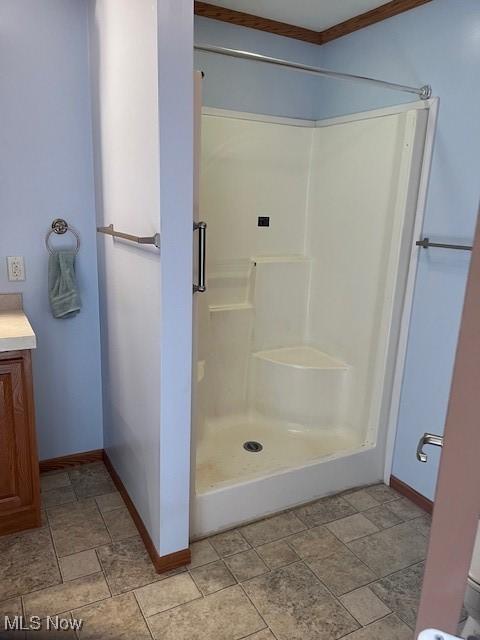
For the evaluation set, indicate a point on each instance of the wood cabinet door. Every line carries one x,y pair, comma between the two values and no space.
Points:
19,491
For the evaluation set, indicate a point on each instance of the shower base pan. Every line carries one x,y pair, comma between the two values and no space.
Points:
222,459
296,464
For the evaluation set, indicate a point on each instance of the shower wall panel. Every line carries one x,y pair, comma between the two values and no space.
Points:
280,302
251,169
359,188
323,274
257,277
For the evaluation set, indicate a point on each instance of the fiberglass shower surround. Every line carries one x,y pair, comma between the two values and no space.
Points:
299,324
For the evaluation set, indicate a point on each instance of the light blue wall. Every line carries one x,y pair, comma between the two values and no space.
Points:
243,85
437,43
46,171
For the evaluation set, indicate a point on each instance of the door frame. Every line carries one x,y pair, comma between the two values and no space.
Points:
457,504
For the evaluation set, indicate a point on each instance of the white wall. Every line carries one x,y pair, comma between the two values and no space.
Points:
124,74
143,115
46,171
175,113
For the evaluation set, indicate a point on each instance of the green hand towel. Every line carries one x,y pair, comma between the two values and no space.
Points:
62,284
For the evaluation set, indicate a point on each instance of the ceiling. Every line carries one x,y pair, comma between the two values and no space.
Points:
311,14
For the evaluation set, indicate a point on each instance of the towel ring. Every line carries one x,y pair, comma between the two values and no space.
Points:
60,226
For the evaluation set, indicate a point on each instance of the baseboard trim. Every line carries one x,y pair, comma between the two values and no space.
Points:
65,462
161,563
407,491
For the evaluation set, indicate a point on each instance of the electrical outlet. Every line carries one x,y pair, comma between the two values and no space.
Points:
16,268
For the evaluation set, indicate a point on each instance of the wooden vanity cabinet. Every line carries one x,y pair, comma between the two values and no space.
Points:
19,471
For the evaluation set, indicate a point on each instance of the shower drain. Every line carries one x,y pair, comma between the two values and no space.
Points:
252,446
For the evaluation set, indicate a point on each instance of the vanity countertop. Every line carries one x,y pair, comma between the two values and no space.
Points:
16,332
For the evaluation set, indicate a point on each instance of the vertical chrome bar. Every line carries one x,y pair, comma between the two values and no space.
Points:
201,287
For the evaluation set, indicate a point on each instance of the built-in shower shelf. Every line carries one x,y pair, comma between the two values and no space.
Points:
304,357
237,306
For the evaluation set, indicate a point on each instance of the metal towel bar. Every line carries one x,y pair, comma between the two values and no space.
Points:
426,244
110,231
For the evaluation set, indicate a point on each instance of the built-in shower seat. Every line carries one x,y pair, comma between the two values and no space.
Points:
300,384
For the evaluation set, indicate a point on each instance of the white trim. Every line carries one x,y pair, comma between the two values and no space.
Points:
377,113
257,117
392,423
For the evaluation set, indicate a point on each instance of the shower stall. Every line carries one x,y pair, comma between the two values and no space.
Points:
310,234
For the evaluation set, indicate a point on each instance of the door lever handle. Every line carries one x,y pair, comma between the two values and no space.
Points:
427,438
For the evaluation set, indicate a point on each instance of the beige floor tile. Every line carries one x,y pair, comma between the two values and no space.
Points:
324,510
118,618
265,634
352,527
401,592
109,502
315,543
61,495
10,608
212,577
163,595
27,563
361,500
127,565
91,480
226,615
228,543
382,493
382,517
391,549
295,599
120,524
390,628
54,481
405,509
364,605
423,524
342,572
246,565
79,564
202,553
76,527
272,529
67,596
295,604
8,611
277,554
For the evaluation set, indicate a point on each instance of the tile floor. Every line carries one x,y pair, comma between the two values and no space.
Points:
347,566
